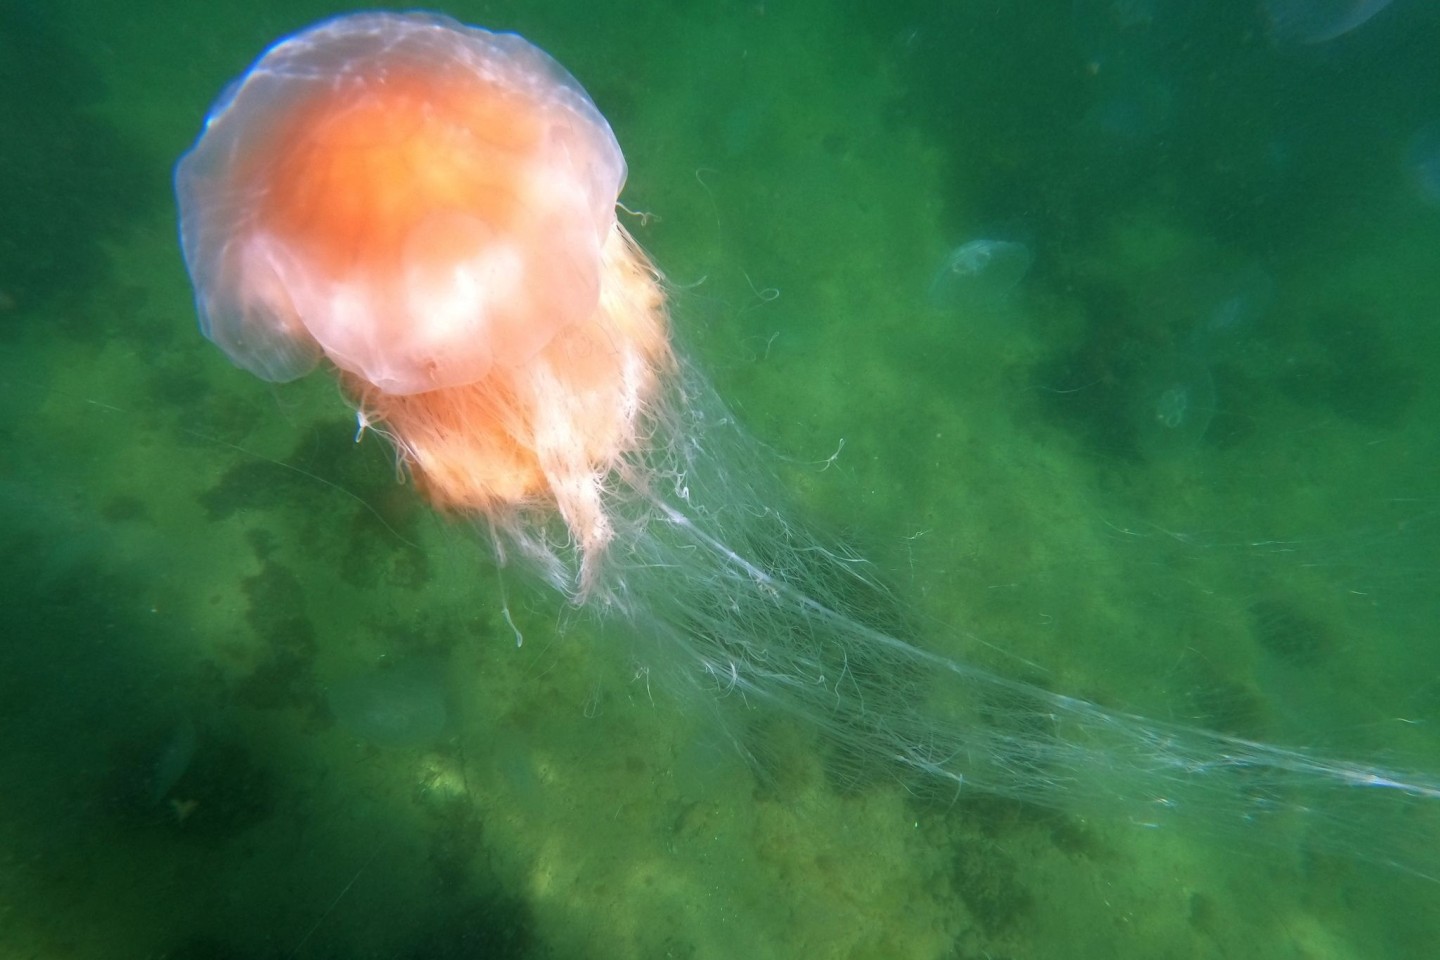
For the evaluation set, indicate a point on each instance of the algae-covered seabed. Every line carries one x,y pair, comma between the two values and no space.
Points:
193,556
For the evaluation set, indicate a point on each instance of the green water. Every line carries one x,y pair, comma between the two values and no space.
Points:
193,557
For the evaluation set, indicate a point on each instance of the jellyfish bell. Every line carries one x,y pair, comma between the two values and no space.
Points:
1319,21
430,207
377,179
980,273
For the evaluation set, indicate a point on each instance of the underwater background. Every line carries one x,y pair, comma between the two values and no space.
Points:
1107,329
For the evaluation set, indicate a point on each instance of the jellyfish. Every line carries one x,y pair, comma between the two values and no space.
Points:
1175,403
1175,398
402,707
1422,163
428,210
980,273
1318,21
431,209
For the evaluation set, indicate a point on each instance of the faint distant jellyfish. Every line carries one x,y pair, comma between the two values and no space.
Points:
402,707
1245,299
980,273
174,760
1317,21
1131,108
1422,161
1174,403
1175,397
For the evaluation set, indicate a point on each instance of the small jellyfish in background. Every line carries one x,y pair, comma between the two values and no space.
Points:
1245,299
402,707
1422,163
1318,21
1127,49
1175,395
1130,114
980,273
1111,34
1175,402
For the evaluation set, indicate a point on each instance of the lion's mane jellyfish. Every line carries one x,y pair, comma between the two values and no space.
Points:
430,207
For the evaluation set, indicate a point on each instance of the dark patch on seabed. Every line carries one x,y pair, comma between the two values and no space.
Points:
1290,634
342,499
